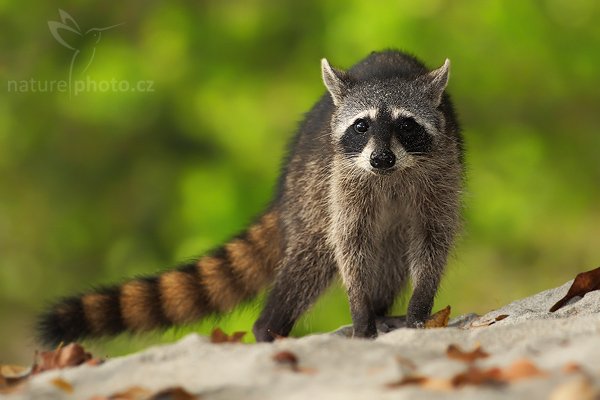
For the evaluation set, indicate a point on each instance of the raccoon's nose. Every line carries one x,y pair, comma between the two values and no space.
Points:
383,159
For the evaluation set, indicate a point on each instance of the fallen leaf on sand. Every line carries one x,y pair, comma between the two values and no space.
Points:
70,355
434,384
438,384
474,376
7,388
62,385
94,362
520,369
487,322
580,389
287,358
133,393
218,336
12,378
176,393
405,362
439,319
477,376
407,380
571,368
14,371
456,353
290,360
584,282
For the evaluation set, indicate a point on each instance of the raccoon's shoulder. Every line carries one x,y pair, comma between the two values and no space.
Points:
311,142
387,64
312,139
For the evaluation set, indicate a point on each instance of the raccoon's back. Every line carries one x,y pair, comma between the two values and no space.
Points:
387,64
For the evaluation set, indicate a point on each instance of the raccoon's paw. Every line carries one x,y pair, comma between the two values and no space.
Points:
389,323
264,332
415,324
368,331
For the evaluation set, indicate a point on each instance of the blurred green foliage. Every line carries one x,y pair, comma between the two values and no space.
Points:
100,186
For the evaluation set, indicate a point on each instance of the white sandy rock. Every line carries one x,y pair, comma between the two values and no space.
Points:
335,367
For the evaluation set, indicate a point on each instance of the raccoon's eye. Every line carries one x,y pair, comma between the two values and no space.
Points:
408,125
361,126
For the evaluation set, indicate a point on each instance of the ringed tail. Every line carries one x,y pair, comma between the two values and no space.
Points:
213,284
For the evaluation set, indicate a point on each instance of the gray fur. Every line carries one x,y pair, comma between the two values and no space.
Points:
375,229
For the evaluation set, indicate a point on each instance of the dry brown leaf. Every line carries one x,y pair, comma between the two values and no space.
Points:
62,385
287,358
435,384
12,377
571,368
94,362
70,355
477,376
11,384
521,369
456,353
290,360
133,393
218,336
406,362
584,282
488,322
439,319
175,393
407,380
7,388
580,389
14,371
481,324
438,384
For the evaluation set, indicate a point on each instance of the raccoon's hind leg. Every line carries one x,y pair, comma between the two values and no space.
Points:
304,274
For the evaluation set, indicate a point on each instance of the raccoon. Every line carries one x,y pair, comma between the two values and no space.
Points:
370,190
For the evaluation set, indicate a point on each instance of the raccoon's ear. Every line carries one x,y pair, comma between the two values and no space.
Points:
335,81
436,82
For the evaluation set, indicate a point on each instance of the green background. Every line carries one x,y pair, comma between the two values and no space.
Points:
100,186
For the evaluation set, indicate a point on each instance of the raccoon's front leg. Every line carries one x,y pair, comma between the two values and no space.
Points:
306,271
428,253
359,271
361,309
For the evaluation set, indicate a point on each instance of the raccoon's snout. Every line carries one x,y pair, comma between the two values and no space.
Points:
382,159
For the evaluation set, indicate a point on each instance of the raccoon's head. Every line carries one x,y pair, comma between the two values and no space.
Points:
386,124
